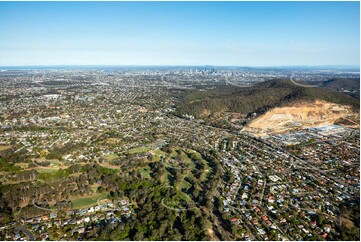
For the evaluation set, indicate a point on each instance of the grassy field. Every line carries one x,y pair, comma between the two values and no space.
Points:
40,159
189,170
183,184
109,166
191,164
183,155
5,147
87,201
111,157
94,187
206,169
54,166
55,163
145,172
139,150
112,140
22,165
185,172
157,154
46,169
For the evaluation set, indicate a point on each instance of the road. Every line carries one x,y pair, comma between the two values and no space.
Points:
262,193
45,209
304,164
352,134
301,85
25,231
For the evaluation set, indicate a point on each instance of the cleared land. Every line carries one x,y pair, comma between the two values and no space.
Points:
302,115
5,147
87,201
139,150
111,157
157,154
54,166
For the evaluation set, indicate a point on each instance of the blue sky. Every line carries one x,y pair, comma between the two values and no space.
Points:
180,33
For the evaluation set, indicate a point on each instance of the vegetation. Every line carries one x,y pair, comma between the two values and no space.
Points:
87,201
138,150
352,85
7,166
257,99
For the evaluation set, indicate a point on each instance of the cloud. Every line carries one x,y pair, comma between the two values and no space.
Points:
307,46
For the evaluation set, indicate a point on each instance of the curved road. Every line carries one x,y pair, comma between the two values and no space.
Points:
25,231
45,209
301,85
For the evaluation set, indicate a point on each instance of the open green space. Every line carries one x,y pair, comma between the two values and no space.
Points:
179,200
145,171
184,168
22,165
87,201
139,150
183,184
156,155
111,157
206,169
46,169
109,166
180,154
55,163
5,147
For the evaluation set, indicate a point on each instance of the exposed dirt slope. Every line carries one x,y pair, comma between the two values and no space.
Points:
302,115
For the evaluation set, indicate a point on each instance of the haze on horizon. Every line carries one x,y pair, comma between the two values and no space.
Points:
180,33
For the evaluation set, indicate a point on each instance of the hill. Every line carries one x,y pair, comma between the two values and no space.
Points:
345,83
350,86
249,102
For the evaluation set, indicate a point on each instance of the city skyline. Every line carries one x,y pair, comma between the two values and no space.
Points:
180,33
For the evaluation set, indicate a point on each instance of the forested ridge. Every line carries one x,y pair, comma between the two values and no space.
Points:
256,99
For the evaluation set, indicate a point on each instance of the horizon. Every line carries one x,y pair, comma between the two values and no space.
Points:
205,65
247,34
186,66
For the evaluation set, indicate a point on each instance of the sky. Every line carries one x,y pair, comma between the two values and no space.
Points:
180,33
